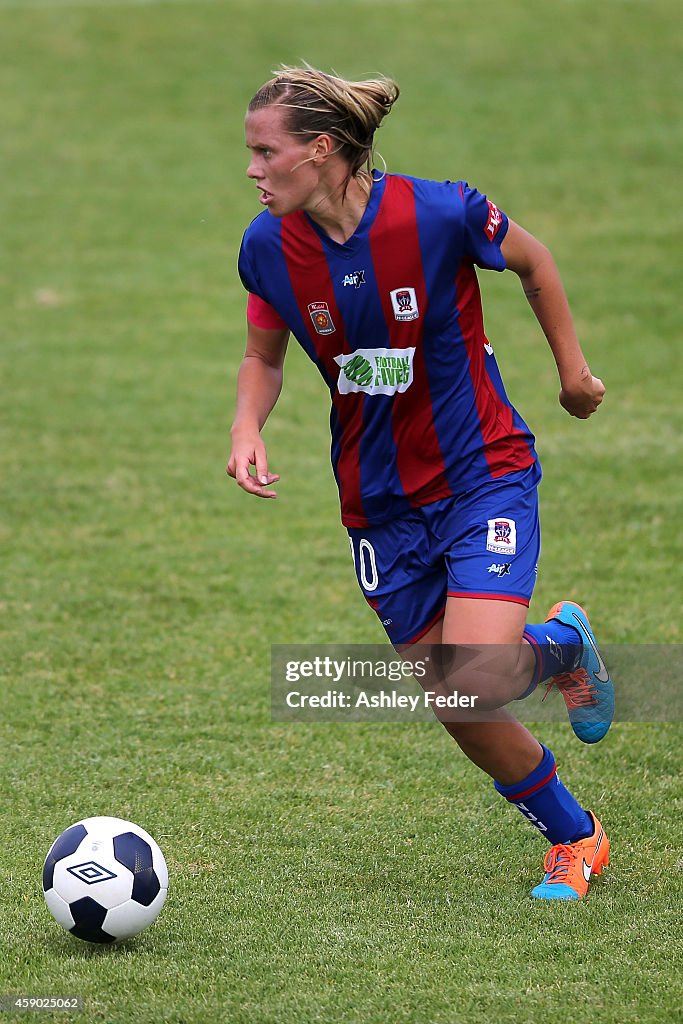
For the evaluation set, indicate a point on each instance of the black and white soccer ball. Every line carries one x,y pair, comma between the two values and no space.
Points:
105,879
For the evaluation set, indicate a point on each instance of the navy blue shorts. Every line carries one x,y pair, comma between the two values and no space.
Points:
482,544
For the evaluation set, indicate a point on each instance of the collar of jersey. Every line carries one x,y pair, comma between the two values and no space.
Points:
351,245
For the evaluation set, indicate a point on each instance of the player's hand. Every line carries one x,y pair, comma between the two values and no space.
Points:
247,452
582,395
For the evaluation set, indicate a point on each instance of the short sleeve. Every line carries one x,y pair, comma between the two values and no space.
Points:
247,272
261,314
485,229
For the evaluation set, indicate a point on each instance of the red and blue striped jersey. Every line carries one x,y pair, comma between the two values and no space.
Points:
392,318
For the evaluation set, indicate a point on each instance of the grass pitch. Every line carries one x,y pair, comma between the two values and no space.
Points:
318,873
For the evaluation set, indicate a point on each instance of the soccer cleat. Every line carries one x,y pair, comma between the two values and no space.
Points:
569,866
587,690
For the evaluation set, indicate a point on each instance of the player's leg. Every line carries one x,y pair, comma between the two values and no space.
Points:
493,556
483,654
486,610
404,581
494,740
523,769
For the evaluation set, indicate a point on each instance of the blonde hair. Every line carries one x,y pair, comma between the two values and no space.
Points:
322,104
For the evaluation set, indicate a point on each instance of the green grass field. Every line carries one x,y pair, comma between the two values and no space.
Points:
319,873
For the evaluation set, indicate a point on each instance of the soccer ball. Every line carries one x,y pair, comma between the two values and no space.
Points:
104,879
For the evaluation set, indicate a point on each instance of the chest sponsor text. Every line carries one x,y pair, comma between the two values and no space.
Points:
375,371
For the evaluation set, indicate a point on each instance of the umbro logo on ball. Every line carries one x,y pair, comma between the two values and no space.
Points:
91,872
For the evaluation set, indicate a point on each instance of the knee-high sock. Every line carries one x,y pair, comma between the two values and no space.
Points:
556,647
547,803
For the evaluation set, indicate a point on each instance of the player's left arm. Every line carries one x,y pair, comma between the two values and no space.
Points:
581,393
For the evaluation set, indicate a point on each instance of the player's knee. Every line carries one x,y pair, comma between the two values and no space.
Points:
475,678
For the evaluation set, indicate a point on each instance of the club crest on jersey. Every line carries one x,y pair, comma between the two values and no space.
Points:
404,301
375,371
320,315
502,536
494,222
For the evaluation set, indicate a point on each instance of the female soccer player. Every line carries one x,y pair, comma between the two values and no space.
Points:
437,473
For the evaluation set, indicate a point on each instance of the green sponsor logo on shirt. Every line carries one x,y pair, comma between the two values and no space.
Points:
375,371
358,369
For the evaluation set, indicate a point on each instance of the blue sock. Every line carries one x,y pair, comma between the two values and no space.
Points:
548,804
556,647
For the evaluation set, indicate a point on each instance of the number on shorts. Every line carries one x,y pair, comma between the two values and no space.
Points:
366,560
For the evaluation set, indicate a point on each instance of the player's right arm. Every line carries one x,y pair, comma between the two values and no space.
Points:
259,382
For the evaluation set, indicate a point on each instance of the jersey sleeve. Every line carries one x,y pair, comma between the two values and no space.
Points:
485,229
247,271
259,311
261,314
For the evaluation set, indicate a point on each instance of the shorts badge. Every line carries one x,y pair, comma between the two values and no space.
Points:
502,536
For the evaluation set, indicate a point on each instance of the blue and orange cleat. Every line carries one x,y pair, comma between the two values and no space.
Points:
587,690
569,866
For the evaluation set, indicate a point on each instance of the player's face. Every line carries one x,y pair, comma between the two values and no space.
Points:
281,163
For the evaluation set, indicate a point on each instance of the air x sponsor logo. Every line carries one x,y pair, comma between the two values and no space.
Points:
355,279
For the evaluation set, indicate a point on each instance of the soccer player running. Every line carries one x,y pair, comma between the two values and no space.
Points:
374,275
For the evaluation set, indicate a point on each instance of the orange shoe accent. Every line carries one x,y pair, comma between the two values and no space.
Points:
569,866
577,688
557,608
